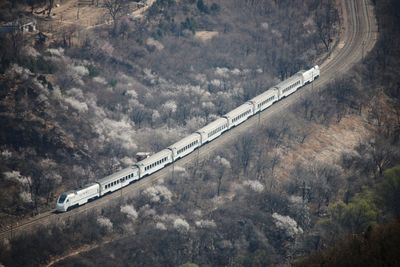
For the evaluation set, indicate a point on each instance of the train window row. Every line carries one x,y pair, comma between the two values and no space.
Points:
121,180
155,163
241,116
291,87
266,101
217,130
188,146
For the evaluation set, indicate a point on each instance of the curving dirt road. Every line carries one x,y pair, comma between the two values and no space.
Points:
358,36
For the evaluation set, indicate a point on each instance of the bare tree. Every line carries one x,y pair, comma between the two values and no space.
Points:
50,7
324,18
139,115
244,150
115,8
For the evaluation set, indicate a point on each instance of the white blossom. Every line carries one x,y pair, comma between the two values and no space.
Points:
197,213
235,71
216,82
17,71
100,80
181,224
152,42
6,154
30,51
105,222
76,104
169,106
254,185
16,176
25,196
161,226
223,72
132,93
58,52
223,161
80,70
121,132
127,161
206,224
76,92
179,169
130,212
287,224
265,25
157,193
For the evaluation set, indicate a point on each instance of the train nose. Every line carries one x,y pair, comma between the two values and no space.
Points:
60,207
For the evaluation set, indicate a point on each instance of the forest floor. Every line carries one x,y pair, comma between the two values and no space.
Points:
325,144
73,13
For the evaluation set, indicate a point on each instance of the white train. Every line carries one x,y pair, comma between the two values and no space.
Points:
187,145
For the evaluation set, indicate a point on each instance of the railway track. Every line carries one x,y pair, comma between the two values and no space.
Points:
358,36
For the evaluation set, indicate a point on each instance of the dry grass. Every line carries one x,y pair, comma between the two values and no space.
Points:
325,144
205,36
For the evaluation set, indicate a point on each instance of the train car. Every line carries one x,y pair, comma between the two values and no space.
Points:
265,100
290,85
154,162
239,114
118,180
213,130
310,75
185,146
71,199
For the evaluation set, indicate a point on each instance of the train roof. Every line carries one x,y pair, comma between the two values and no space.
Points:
271,91
117,175
162,154
212,125
289,81
183,142
239,110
